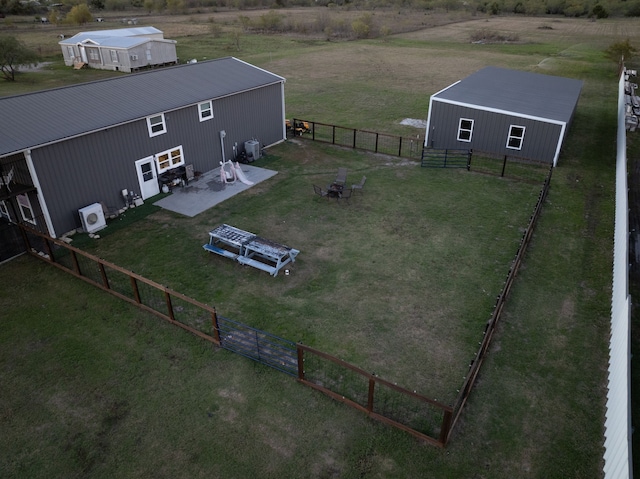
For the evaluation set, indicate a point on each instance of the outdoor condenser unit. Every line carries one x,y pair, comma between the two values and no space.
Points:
92,218
252,149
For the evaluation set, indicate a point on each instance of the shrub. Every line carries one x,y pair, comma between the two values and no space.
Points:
621,50
363,26
271,21
599,11
79,15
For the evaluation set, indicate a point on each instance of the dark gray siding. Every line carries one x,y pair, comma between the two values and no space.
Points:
490,132
96,167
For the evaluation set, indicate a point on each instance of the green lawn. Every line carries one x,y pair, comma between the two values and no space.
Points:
401,279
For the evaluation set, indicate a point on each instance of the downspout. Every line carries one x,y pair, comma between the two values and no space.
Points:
41,200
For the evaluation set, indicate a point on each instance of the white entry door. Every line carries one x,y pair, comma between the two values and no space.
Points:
147,177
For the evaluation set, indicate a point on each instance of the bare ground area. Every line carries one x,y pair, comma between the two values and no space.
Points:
533,29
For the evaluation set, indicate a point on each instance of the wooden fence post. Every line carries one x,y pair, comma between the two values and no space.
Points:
400,147
333,137
103,273
372,385
354,138
445,427
504,165
49,250
134,287
167,299
377,135
300,352
76,264
216,329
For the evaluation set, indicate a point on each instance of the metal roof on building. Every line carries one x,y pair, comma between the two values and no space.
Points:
100,36
516,92
34,119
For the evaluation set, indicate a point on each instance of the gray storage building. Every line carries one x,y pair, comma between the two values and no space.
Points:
504,112
66,148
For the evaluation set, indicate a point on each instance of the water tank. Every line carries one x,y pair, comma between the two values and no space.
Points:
252,149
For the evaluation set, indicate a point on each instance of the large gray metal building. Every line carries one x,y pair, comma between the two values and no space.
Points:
66,148
504,112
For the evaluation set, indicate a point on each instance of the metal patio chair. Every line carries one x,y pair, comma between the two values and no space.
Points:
359,186
345,195
320,192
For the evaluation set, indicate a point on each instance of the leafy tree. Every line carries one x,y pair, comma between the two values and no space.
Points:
621,50
13,53
599,11
79,15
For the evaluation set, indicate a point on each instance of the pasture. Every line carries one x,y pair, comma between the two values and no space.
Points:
118,393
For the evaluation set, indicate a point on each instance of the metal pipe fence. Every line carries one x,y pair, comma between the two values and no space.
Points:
393,145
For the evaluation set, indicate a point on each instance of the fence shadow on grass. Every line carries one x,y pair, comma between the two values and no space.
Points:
425,418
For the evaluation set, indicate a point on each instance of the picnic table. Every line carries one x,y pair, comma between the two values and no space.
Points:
249,249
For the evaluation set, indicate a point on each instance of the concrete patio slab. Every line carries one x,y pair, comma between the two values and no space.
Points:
207,191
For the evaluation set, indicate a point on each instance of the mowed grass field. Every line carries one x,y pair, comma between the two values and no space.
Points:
109,391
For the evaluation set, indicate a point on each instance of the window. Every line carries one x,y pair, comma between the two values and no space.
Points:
114,56
4,211
149,55
156,125
169,159
72,55
25,209
516,135
93,54
465,129
206,110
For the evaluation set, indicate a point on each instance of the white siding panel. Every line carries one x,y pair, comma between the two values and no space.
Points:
617,444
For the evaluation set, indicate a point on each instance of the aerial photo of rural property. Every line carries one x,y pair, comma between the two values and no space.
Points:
293,239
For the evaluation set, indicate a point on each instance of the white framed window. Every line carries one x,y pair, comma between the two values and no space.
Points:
156,125
25,209
170,159
149,55
205,110
114,56
4,210
516,136
93,54
465,129
70,51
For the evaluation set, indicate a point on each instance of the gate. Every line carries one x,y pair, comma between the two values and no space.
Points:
446,158
263,347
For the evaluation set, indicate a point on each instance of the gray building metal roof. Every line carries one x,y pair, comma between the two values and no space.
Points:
39,118
516,92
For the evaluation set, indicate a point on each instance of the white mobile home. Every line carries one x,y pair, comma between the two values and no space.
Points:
124,49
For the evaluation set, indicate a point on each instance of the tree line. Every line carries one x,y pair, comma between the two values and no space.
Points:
569,8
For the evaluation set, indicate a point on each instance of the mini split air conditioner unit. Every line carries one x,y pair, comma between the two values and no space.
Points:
92,218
